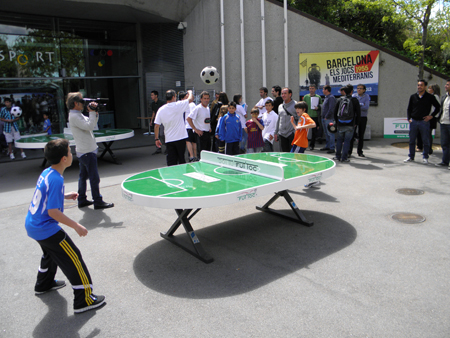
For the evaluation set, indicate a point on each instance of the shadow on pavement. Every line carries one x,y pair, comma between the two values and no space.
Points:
249,252
56,323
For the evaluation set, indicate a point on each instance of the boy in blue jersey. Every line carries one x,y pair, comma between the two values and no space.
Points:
44,214
230,130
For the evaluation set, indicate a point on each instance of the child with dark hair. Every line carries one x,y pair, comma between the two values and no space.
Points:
300,142
230,130
47,124
254,128
45,212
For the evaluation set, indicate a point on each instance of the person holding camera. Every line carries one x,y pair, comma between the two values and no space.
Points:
86,148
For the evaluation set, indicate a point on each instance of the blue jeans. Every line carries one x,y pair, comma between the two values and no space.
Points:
416,127
243,143
343,138
330,139
445,143
89,170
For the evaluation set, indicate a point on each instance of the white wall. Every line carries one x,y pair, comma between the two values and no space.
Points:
397,78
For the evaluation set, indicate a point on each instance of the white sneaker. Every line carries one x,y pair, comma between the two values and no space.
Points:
409,159
23,155
11,156
425,161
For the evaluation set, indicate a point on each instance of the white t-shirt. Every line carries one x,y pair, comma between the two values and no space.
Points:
262,102
240,111
171,116
270,122
191,108
201,117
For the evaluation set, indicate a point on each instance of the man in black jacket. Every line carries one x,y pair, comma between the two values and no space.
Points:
419,108
347,113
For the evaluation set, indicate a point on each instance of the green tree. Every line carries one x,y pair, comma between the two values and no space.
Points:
419,11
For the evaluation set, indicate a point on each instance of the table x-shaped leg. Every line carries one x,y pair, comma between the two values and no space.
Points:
107,146
300,218
195,248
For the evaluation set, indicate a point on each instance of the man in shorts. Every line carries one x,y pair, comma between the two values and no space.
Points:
10,128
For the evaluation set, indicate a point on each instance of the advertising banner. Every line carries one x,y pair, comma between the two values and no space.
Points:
396,127
338,69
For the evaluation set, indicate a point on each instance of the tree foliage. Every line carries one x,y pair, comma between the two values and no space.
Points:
412,28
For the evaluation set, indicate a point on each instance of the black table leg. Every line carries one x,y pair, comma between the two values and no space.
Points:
107,146
195,248
299,217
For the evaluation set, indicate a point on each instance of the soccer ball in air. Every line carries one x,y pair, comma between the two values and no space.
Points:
16,111
209,75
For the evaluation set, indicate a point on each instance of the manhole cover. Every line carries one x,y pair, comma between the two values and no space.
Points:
408,191
407,218
405,145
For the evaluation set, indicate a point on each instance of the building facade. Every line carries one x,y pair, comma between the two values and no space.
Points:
117,52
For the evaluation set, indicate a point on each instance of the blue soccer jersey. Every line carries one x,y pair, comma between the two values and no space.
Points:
47,124
49,194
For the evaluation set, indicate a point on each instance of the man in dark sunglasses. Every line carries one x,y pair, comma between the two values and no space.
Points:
86,148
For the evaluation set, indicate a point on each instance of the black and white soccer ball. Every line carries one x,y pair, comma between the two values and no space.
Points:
16,112
209,75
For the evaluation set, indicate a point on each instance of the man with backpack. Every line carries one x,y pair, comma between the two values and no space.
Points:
347,113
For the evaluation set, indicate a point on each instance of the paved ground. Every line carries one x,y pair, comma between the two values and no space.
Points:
355,273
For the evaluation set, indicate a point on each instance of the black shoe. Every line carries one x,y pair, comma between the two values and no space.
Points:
85,204
361,155
331,151
57,284
346,160
336,159
98,302
311,148
103,205
323,149
158,151
442,164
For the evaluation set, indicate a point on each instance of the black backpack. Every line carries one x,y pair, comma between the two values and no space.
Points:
345,113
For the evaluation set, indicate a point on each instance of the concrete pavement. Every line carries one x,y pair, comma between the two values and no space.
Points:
355,273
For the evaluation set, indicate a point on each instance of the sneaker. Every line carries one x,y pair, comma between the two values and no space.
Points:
425,161
191,159
442,164
331,151
346,160
57,284
11,156
361,155
323,149
98,302
23,155
336,159
409,159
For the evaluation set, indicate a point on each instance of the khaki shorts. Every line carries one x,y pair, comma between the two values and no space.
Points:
13,136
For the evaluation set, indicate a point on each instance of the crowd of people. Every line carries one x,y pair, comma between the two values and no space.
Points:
224,126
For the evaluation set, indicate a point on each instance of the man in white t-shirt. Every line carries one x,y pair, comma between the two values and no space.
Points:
171,115
191,141
261,105
200,121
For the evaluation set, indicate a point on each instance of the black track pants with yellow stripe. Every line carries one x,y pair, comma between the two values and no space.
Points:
60,251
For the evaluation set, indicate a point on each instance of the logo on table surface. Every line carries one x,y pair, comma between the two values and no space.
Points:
109,138
246,195
127,196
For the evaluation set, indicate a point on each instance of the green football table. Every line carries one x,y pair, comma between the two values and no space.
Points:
105,136
219,179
